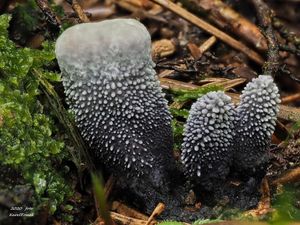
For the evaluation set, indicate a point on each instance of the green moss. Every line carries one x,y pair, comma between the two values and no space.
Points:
285,206
26,131
185,95
206,221
177,127
180,115
170,223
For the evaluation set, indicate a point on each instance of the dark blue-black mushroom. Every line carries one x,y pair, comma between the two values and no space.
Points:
111,87
208,137
220,138
255,124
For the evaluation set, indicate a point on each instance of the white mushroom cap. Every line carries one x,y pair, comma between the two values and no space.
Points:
109,41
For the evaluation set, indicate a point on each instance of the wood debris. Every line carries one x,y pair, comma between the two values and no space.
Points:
163,48
210,29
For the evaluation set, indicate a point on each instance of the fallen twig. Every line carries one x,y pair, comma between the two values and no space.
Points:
198,52
264,205
264,15
291,176
227,84
121,219
80,154
79,11
207,44
49,14
285,112
290,98
157,211
125,210
227,18
210,29
292,50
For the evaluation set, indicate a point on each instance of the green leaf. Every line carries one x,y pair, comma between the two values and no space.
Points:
100,195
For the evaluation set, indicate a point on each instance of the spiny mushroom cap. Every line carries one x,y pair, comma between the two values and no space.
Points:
119,107
255,124
207,139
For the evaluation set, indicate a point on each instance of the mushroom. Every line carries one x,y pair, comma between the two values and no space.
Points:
119,108
219,137
208,138
255,124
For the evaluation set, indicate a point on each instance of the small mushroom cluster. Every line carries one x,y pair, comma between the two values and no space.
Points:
219,137
120,110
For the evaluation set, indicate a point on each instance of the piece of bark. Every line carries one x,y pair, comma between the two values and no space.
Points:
125,210
79,11
162,48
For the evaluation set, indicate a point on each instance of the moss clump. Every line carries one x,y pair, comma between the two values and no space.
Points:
170,223
26,131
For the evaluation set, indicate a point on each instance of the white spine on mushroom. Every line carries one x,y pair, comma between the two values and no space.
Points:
208,135
110,84
255,124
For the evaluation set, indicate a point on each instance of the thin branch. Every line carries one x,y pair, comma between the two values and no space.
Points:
197,52
292,50
79,11
227,18
264,15
80,155
291,176
51,18
285,112
210,29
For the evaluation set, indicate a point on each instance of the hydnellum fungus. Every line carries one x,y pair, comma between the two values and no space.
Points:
110,85
255,124
208,136
218,136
